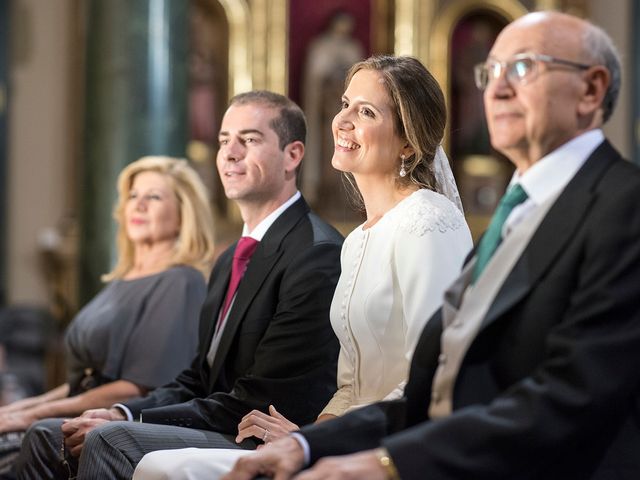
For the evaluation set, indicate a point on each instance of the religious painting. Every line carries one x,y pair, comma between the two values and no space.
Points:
326,39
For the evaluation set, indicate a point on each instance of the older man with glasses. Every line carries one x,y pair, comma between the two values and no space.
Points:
530,370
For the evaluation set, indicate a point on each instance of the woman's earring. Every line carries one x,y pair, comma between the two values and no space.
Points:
403,171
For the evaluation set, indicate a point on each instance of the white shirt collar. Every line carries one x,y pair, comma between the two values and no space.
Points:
554,171
258,232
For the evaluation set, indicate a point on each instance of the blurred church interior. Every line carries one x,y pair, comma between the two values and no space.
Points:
87,86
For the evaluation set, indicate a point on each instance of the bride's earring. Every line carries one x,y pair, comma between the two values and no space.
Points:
403,171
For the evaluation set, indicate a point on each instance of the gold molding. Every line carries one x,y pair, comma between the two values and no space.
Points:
278,52
426,16
412,29
439,45
547,4
237,12
404,28
270,34
259,23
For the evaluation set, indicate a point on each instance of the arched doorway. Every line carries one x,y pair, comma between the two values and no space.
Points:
464,33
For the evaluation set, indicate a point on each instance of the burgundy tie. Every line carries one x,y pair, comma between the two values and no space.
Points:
245,248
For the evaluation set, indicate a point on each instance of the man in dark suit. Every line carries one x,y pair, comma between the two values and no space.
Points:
530,370
269,342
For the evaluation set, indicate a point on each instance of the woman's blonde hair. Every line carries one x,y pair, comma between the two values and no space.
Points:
419,110
195,243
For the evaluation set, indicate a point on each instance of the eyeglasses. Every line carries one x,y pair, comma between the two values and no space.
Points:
520,70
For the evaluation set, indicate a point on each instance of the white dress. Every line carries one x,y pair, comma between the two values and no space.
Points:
393,278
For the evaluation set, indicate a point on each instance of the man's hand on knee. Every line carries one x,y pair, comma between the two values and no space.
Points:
105,413
76,429
281,460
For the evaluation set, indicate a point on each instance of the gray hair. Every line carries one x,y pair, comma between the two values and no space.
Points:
599,48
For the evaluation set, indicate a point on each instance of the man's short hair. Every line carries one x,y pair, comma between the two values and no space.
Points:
290,125
599,49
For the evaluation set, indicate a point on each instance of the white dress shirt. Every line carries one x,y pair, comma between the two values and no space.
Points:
258,232
551,174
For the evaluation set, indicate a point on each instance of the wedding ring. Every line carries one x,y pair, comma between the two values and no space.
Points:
265,436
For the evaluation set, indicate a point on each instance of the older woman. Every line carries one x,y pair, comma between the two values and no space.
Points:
141,329
395,266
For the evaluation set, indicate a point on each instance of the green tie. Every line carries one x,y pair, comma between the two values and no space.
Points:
493,236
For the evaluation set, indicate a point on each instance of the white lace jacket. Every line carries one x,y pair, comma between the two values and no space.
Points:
393,277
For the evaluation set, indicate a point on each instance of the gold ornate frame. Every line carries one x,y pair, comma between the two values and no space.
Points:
238,16
258,42
439,45
413,20
440,39
270,27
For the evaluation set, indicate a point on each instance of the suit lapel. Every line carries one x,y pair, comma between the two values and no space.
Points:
260,266
553,234
454,295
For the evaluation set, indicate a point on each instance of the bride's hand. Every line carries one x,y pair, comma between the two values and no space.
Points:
265,427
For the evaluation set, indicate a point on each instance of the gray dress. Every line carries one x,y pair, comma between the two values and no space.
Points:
143,330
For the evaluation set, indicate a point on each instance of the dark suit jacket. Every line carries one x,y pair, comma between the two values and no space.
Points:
549,387
277,346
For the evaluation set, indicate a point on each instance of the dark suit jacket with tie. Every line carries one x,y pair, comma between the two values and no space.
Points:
549,388
277,345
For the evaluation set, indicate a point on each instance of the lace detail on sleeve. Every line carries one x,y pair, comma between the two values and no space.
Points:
427,211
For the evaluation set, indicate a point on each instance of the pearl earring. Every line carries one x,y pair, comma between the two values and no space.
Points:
403,171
